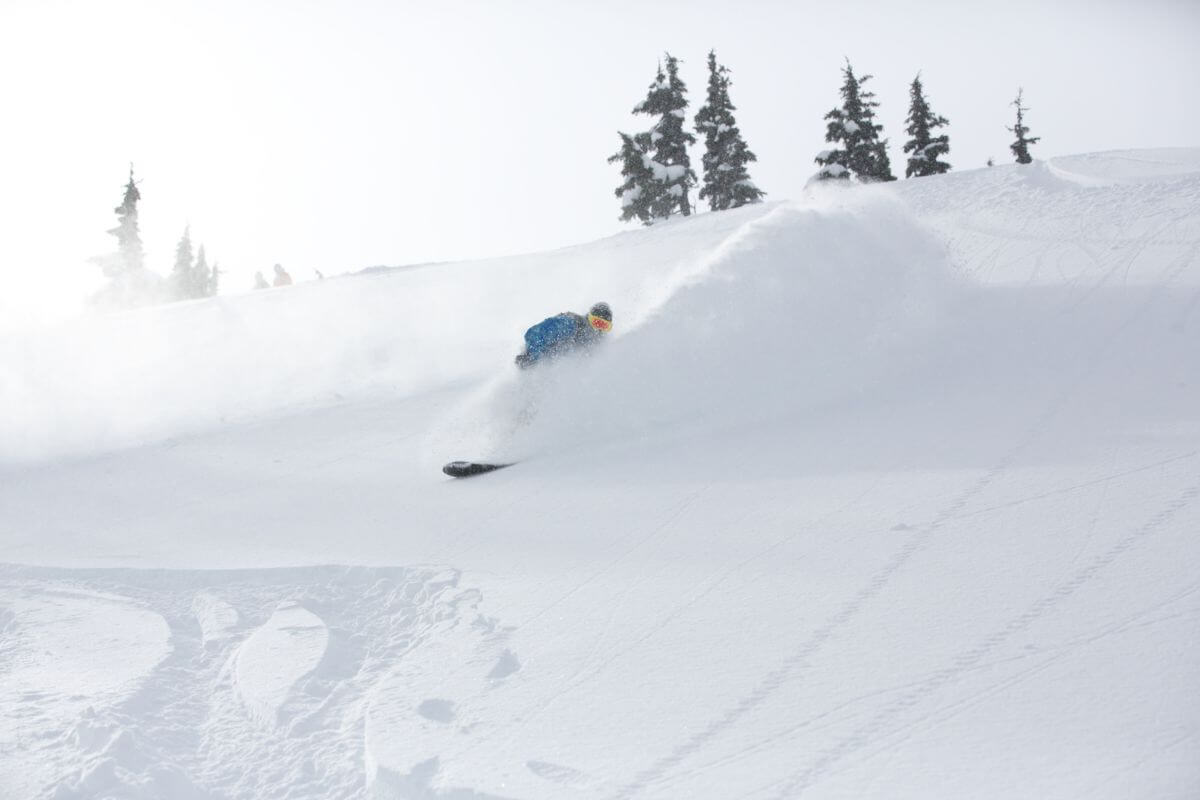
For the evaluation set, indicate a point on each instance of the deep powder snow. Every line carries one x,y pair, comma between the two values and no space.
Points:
889,492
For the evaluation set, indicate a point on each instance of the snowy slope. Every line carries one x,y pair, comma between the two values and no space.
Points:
880,493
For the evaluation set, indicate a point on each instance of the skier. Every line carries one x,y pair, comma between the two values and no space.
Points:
281,277
260,282
564,333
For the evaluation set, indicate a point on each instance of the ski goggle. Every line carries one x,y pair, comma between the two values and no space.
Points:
600,323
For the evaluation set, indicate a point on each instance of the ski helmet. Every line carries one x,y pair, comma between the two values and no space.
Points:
600,317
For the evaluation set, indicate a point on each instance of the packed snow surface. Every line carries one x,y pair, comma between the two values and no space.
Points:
888,492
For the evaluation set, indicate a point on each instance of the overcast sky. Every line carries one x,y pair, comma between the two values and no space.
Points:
339,135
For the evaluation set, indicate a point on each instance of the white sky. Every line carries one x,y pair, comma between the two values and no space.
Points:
339,135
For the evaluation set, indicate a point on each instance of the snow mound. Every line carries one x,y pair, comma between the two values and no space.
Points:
805,306
276,657
66,653
1128,166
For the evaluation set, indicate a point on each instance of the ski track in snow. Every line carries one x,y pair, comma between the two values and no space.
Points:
880,722
794,666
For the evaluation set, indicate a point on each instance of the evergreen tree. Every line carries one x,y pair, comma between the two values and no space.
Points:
201,275
852,126
668,142
191,277
880,163
1020,148
924,146
129,240
181,273
214,280
640,190
727,184
130,284
655,165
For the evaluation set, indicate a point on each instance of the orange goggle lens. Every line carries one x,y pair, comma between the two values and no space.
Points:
600,323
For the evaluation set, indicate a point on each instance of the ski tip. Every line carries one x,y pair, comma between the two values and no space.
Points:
465,469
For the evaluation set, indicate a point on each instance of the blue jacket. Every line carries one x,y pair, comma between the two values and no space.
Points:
556,335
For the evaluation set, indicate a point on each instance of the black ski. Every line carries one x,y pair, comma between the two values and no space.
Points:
465,469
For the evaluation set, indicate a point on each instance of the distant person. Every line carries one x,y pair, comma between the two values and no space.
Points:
320,276
565,333
281,277
260,282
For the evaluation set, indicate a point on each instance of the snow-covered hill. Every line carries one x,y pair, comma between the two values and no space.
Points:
888,492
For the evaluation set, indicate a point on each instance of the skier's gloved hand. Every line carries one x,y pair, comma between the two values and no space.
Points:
523,360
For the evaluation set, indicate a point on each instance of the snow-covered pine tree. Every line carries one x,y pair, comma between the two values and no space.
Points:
130,284
181,273
640,190
881,165
924,146
853,127
727,184
129,240
1020,148
214,280
201,275
668,141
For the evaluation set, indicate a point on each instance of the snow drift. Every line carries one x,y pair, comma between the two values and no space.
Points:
801,307
823,294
